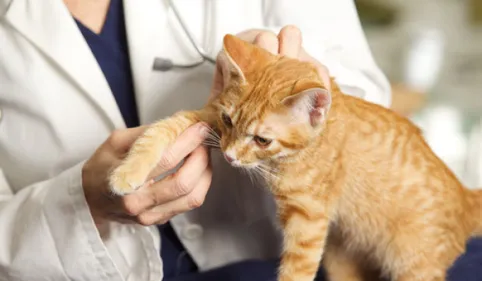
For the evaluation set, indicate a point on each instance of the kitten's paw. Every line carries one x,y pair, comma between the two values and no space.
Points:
125,180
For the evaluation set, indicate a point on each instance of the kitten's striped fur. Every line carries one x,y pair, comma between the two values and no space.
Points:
355,183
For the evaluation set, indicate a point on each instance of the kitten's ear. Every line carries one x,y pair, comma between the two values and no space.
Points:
309,105
241,57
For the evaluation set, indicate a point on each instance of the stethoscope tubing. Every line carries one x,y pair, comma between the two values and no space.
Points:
164,64
190,36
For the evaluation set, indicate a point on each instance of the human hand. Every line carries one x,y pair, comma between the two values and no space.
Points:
154,202
287,43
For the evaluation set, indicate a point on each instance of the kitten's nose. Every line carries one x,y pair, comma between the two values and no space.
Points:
228,158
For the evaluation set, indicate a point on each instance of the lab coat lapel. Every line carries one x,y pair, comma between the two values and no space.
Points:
51,28
146,33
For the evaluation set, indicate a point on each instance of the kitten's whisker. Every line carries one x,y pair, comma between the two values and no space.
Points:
267,169
260,177
212,137
211,144
267,172
263,178
213,133
250,174
261,173
211,140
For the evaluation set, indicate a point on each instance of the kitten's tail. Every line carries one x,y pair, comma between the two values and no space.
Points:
475,202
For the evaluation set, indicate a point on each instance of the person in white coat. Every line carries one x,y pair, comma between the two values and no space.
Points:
78,82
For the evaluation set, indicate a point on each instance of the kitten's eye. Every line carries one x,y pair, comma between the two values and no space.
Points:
227,120
262,141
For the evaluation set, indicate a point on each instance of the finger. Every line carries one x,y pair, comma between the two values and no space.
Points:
290,41
325,76
162,213
171,188
267,40
121,140
189,140
322,70
183,181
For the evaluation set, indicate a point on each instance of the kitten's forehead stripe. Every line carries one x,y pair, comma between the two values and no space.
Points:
253,128
262,96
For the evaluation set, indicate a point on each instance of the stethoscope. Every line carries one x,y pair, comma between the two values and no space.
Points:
164,64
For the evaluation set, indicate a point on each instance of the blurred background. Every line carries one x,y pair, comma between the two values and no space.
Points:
431,51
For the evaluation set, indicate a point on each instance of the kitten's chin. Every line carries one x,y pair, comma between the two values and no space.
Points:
238,164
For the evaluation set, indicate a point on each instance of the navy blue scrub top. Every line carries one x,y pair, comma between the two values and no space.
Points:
111,51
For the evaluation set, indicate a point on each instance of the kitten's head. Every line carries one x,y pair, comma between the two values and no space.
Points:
272,106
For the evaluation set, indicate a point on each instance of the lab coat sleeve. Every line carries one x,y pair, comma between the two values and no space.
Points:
332,34
48,228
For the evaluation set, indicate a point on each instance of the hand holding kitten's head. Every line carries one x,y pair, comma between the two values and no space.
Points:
272,105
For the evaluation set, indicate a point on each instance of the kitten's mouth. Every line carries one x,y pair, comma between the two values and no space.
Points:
237,163
231,160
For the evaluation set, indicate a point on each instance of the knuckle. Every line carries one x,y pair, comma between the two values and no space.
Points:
265,37
291,30
148,219
144,220
162,221
155,198
131,206
167,216
195,201
181,186
114,137
167,160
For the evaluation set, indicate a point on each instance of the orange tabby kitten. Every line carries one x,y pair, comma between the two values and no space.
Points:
356,185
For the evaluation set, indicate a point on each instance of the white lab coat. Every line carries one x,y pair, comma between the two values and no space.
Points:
56,108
